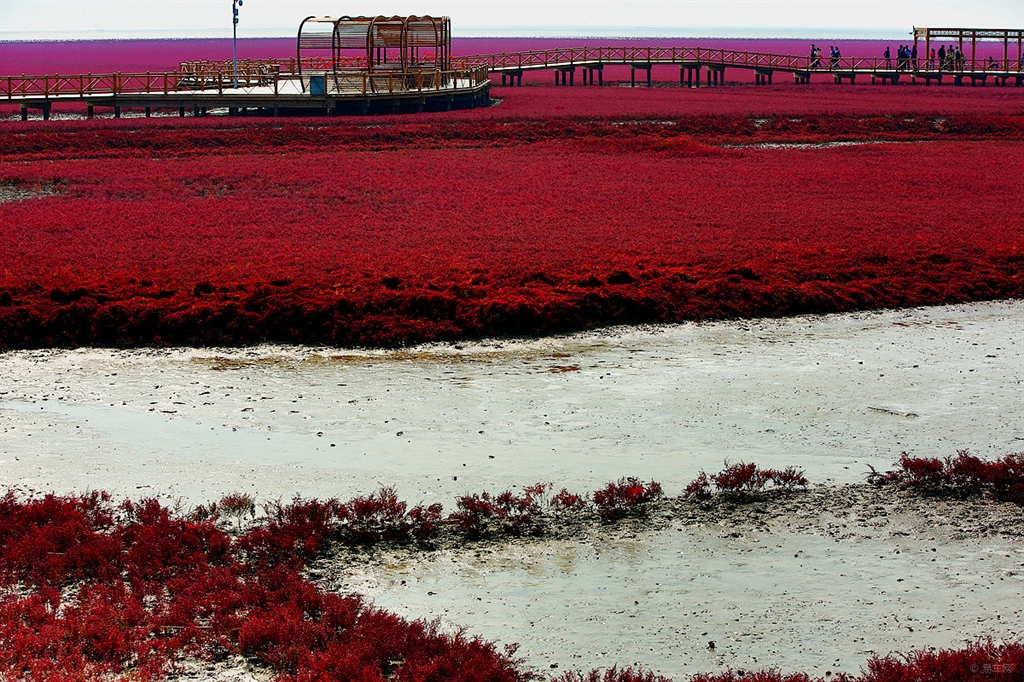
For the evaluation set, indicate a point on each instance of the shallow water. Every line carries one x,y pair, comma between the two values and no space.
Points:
832,395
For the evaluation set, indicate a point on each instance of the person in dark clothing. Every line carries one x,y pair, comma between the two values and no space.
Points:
942,57
913,57
888,60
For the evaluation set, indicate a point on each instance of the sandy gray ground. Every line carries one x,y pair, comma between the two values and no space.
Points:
829,394
849,575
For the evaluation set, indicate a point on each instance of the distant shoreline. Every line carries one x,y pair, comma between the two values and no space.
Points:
607,33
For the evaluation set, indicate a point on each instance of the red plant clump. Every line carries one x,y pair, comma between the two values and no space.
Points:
104,591
963,474
743,479
565,501
505,514
440,231
626,497
90,590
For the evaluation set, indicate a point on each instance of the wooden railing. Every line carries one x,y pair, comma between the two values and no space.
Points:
84,85
249,82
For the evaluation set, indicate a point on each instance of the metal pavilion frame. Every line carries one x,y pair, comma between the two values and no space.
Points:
374,44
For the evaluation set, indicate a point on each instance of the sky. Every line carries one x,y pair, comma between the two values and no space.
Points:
75,19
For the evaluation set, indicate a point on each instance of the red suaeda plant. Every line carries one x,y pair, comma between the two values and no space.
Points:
378,517
425,522
626,497
964,474
170,586
294,533
744,479
740,478
504,514
613,674
787,479
566,502
699,488
369,252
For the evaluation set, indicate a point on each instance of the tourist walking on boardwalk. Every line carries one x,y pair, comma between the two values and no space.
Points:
888,61
835,55
942,57
814,56
913,57
931,60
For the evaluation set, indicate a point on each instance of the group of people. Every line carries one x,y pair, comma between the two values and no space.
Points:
906,58
834,55
951,59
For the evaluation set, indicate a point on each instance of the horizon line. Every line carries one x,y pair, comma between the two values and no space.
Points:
569,32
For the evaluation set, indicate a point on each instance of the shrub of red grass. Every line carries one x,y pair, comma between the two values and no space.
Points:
745,480
613,674
378,517
569,503
963,475
481,515
626,497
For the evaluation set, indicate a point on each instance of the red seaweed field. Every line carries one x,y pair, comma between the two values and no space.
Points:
403,230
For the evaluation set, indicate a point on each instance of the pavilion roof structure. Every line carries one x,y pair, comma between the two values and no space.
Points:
375,44
1007,36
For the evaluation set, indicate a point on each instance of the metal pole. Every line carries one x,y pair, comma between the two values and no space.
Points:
234,40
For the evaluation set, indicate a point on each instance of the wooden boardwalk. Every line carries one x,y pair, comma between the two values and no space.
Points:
712,62
261,86
290,86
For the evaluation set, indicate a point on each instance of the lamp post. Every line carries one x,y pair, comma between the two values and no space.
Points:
235,4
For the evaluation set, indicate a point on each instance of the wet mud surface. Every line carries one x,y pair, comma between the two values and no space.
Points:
815,581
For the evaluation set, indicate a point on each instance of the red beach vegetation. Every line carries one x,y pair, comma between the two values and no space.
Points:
128,234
